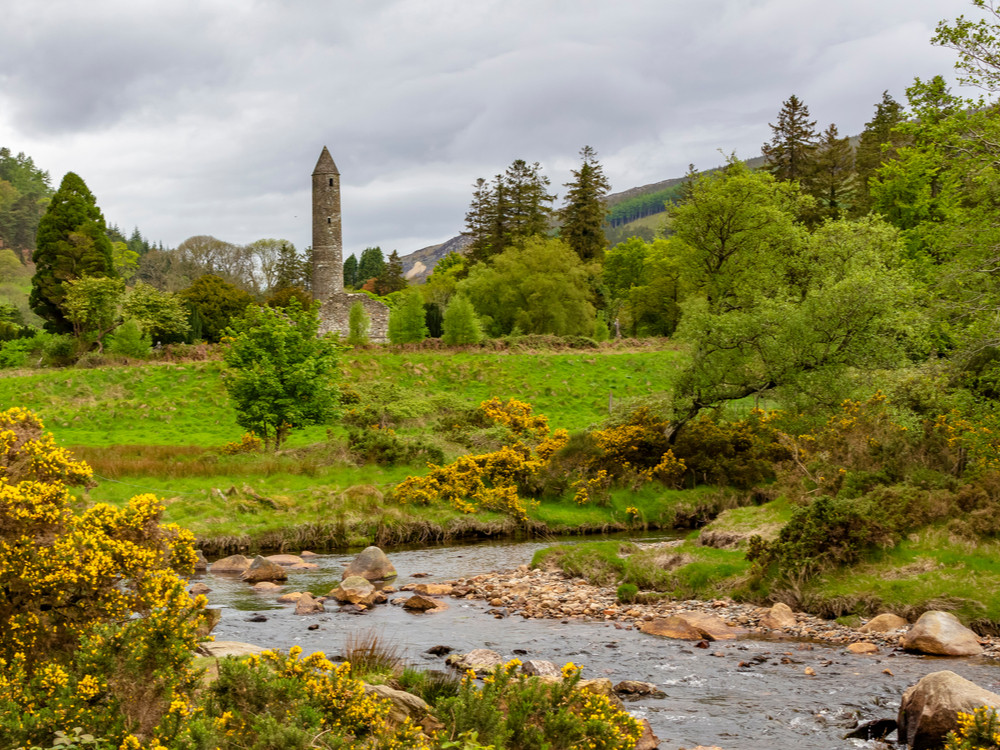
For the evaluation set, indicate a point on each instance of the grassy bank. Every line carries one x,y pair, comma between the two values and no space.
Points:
160,428
931,569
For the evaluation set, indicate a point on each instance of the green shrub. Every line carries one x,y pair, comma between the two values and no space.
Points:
129,340
386,448
627,593
827,532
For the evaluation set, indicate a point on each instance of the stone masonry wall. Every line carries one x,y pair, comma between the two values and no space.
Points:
336,310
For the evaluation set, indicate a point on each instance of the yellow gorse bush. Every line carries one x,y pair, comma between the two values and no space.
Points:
72,578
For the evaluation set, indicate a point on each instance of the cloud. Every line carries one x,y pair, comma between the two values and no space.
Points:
207,116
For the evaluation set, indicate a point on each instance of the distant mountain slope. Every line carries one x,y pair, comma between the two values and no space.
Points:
418,265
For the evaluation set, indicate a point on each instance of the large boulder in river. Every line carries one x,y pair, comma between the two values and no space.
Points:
672,627
711,627
286,559
371,564
262,569
884,623
421,603
941,634
929,709
354,590
479,660
307,605
231,564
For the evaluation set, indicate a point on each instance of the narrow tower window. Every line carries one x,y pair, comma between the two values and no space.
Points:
329,220
331,182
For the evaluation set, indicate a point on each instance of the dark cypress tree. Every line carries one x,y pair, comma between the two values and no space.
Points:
832,180
877,145
371,265
479,222
72,242
584,215
350,272
790,152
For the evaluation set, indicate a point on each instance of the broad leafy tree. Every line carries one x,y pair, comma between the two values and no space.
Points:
72,243
540,287
777,308
280,373
215,303
585,213
24,194
790,151
461,326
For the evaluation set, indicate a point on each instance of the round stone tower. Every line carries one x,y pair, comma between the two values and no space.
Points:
327,239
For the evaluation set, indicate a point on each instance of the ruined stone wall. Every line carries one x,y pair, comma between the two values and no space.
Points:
336,311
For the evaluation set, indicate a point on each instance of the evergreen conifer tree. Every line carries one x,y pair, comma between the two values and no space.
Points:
371,265
832,180
516,205
585,212
350,272
790,152
391,279
71,243
877,145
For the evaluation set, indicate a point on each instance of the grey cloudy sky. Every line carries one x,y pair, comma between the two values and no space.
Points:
191,117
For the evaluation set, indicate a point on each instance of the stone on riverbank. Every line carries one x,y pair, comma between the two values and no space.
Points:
263,570
290,598
429,589
200,563
307,605
354,590
231,564
540,668
479,660
636,689
649,741
406,706
941,634
372,564
266,586
884,623
420,603
673,626
929,709
778,617
198,588
228,648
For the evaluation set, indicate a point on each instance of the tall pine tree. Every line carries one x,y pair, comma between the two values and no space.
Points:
504,213
71,243
790,152
877,145
391,279
832,180
371,265
585,212
350,272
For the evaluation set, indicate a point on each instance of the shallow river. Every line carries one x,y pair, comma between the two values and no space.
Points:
711,699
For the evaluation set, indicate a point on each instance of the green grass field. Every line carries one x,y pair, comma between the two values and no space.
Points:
160,428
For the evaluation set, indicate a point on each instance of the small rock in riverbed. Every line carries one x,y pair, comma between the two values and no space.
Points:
256,618
439,650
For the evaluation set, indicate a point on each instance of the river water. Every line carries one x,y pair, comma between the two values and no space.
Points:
749,694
